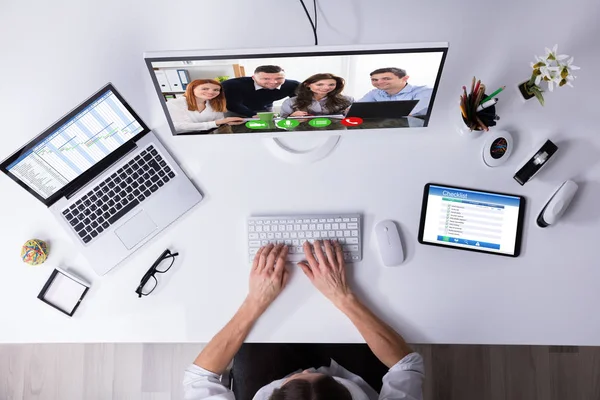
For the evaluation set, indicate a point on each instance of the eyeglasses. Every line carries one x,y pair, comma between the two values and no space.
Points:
161,265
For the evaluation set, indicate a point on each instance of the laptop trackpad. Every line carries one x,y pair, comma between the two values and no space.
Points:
136,229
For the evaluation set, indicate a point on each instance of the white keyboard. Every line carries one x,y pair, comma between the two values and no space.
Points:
294,230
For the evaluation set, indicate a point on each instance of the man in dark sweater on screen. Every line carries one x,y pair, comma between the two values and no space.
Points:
247,96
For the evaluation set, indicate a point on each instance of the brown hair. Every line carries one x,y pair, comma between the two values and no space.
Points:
268,69
335,101
218,103
325,388
399,72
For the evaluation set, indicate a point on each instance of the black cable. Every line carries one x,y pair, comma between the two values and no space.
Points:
313,25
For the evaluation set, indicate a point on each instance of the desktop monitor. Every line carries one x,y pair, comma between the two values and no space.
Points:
283,91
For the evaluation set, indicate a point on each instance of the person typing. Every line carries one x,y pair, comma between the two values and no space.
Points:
278,375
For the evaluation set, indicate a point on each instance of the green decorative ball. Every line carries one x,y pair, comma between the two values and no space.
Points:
34,252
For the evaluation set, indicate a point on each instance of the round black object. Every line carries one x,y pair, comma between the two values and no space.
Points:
498,148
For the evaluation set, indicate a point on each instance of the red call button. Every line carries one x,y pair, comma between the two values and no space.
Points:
352,121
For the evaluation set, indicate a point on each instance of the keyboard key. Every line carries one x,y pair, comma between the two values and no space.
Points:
118,206
153,188
160,183
352,226
95,224
124,211
87,239
105,225
141,197
78,227
171,174
100,220
66,211
94,234
106,215
147,193
74,221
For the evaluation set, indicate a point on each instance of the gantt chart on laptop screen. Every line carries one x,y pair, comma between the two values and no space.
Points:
76,146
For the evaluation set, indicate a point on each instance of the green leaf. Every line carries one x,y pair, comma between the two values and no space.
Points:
538,94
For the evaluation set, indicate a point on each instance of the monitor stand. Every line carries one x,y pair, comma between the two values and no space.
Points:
284,152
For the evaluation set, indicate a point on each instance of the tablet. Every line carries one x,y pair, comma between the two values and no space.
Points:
470,219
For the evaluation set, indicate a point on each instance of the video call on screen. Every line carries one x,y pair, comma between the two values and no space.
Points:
421,72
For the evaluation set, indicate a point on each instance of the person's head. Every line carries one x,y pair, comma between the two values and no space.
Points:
203,90
389,79
311,386
269,76
322,85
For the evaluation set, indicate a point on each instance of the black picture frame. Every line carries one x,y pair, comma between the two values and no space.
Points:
49,283
519,229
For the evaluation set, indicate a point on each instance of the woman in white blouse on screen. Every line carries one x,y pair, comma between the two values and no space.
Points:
202,107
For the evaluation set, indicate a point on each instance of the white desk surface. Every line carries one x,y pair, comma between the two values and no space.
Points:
548,295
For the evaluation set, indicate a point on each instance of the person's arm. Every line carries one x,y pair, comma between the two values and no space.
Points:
367,97
424,97
268,277
182,121
234,98
328,273
286,108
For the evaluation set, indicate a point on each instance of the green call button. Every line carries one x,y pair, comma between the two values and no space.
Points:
319,122
257,124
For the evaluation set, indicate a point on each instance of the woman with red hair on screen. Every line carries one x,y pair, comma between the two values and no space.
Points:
202,107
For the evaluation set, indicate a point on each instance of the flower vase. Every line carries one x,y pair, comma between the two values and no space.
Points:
525,92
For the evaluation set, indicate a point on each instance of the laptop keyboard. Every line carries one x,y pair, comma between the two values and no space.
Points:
119,193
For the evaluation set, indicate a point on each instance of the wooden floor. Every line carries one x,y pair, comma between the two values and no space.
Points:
154,372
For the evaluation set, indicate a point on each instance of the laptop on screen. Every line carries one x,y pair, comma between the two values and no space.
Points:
382,109
106,177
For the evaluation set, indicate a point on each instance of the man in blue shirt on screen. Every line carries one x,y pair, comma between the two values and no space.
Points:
392,85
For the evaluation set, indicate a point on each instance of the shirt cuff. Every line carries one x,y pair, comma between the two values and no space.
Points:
411,362
199,371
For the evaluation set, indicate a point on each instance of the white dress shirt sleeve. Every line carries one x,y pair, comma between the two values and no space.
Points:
184,120
404,380
200,384
286,108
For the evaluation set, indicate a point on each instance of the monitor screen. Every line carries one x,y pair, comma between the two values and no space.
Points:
294,90
68,150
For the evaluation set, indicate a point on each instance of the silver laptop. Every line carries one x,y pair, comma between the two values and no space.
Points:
106,178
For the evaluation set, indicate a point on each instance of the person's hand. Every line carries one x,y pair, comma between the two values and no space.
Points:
230,121
328,271
298,114
268,276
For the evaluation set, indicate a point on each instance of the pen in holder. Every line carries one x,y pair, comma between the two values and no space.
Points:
478,110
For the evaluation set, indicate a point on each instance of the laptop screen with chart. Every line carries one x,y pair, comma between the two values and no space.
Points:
471,220
84,139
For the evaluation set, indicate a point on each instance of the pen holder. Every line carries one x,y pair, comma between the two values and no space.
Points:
476,122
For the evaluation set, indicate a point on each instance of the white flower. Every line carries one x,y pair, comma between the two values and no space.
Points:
551,55
569,65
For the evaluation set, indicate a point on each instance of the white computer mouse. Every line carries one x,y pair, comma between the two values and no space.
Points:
389,242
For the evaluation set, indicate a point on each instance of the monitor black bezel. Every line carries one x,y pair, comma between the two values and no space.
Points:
91,173
520,221
150,59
